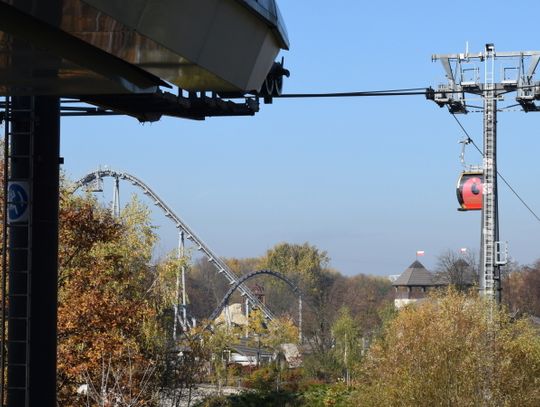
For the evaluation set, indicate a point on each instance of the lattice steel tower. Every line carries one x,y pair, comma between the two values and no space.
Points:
463,74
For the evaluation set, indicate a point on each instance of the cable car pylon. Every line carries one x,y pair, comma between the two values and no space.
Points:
463,74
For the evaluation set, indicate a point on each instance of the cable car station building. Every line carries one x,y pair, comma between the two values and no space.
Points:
182,58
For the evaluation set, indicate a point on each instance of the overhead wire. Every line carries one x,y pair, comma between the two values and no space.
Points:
471,140
427,92
387,92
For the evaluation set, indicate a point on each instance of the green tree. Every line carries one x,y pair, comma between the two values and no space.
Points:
304,261
308,267
217,344
348,342
279,331
448,351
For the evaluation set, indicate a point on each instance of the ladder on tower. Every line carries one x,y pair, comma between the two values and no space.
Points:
489,211
16,280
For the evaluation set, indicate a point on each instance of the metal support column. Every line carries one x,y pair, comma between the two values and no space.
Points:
32,248
246,309
180,306
183,273
116,198
300,319
46,194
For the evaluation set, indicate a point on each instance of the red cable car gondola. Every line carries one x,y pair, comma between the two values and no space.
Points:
470,188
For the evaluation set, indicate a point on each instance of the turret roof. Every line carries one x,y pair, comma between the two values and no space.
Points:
416,275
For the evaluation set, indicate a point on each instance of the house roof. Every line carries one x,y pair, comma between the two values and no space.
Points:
416,275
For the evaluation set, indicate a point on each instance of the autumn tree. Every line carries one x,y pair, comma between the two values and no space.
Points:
521,289
453,349
325,290
459,270
365,297
205,288
271,334
307,266
217,344
280,330
187,365
325,293
107,312
243,266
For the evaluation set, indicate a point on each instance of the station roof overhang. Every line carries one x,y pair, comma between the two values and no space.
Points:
90,49
269,11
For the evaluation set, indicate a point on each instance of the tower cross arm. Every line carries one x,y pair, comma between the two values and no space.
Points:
459,57
482,55
532,66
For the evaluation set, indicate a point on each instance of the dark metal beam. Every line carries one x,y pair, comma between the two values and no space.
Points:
33,252
44,259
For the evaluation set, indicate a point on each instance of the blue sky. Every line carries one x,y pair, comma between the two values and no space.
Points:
369,180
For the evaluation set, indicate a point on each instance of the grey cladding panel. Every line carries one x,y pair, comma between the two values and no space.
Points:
246,33
127,13
190,20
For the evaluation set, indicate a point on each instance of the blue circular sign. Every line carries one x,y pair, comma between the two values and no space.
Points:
18,202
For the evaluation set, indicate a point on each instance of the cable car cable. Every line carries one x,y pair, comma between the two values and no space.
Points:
427,92
387,92
470,140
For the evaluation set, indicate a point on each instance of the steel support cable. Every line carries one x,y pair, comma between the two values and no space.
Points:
68,111
427,92
212,257
389,92
470,140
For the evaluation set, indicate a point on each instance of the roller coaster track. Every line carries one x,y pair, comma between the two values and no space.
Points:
248,276
216,261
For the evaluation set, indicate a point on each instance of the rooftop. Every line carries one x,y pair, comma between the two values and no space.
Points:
416,275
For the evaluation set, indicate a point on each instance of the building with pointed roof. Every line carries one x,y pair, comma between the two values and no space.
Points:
413,284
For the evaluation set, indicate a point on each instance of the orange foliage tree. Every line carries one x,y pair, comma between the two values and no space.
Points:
108,315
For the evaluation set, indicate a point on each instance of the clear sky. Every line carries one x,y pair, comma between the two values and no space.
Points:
369,180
